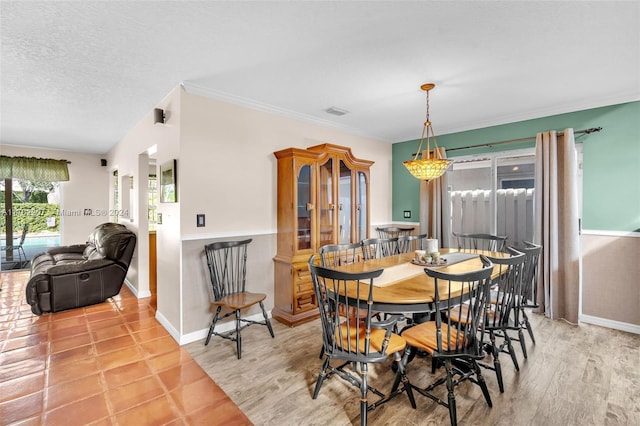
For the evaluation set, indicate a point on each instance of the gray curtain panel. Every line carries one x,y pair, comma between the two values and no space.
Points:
556,223
435,212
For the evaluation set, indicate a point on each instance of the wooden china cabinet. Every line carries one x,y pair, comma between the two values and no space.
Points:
323,198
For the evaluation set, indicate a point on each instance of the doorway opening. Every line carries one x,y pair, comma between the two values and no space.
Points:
29,220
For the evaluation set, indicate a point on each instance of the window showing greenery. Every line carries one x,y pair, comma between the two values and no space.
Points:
33,204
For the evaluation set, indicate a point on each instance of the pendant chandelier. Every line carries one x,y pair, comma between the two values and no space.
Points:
428,168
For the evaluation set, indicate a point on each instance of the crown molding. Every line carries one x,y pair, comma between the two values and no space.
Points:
196,89
207,92
544,112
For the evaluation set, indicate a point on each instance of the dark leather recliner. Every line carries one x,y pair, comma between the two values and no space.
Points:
79,275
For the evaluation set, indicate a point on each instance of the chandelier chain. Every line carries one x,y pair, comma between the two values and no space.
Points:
427,119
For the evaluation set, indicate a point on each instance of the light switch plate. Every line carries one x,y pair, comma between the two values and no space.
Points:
199,220
407,214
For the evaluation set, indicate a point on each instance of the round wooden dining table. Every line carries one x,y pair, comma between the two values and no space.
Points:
405,287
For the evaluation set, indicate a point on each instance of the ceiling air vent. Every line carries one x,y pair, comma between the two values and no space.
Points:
336,111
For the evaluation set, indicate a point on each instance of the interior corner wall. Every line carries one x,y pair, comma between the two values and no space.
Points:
87,188
227,171
125,157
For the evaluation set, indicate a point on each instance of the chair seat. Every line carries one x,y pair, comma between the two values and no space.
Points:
238,300
461,315
396,342
424,336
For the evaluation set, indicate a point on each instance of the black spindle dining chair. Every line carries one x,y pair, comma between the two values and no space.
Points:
227,263
487,242
456,345
355,339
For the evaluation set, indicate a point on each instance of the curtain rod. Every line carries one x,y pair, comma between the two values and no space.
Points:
585,131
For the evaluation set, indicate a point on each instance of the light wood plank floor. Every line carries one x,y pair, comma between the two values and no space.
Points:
575,375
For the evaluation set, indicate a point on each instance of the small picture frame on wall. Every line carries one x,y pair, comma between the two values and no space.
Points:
168,187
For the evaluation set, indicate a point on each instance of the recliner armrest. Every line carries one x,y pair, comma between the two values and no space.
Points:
76,248
76,268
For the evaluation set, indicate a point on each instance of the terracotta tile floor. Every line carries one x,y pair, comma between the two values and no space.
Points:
107,364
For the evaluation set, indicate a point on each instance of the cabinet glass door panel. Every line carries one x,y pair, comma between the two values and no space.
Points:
344,204
361,207
303,204
326,203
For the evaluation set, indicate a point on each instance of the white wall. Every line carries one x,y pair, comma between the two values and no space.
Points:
229,171
129,158
226,170
86,189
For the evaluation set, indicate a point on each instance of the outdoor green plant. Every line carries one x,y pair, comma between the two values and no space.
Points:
33,214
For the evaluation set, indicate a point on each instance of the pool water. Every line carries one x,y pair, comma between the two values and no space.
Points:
42,241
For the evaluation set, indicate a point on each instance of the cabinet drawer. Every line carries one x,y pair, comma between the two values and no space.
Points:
301,273
304,287
305,302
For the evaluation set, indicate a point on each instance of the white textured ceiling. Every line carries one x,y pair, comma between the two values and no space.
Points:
77,75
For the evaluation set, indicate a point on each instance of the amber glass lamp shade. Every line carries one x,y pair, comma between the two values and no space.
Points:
428,168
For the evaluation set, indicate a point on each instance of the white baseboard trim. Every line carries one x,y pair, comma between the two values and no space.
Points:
220,328
167,325
131,287
616,325
134,290
194,336
610,233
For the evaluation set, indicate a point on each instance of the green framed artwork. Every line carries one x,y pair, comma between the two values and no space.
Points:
168,182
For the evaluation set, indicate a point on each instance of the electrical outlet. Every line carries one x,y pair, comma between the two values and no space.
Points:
407,214
199,220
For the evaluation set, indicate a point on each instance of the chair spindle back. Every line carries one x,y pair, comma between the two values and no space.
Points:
227,262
